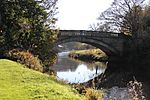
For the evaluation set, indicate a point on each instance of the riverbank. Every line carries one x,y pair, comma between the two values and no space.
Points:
19,83
89,55
120,72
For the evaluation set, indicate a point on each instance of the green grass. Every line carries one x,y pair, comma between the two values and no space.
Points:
19,83
94,52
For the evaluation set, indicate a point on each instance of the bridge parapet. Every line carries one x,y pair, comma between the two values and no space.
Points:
64,33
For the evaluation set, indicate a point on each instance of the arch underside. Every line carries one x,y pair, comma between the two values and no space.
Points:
105,47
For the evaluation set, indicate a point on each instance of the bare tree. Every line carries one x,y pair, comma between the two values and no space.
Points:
51,8
101,27
123,16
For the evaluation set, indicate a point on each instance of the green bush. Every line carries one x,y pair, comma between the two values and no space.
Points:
26,58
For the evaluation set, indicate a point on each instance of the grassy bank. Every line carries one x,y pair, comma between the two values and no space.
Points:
91,54
96,52
18,83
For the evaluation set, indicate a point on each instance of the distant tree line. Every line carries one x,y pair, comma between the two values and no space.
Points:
27,25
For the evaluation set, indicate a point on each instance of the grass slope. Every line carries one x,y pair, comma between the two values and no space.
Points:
18,83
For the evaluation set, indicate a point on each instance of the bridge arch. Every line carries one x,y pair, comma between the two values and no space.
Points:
108,49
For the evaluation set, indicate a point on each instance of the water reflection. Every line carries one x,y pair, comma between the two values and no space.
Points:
76,72
81,74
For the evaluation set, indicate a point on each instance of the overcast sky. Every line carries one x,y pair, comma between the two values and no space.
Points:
79,14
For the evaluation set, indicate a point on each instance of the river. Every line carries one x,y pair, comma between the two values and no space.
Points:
73,71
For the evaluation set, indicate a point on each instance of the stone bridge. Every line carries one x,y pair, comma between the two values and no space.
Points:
111,43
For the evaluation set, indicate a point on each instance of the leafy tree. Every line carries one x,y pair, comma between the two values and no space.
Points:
27,25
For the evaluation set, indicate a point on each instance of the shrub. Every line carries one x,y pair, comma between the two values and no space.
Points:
26,58
92,94
135,90
47,56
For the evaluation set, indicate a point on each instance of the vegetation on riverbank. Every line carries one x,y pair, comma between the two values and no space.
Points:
18,83
92,54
